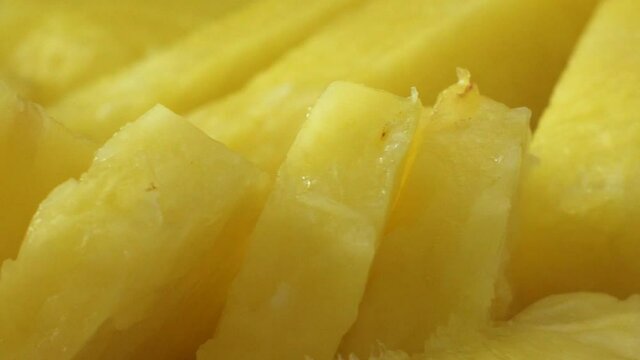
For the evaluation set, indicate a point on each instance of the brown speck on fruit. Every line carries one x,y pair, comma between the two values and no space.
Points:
385,132
151,187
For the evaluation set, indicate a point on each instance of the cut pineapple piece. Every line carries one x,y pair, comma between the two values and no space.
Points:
60,51
36,155
49,47
109,260
206,65
580,205
298,291
394,45
440,258
570,326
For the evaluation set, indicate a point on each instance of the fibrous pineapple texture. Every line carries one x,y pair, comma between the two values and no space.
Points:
108,257
298,290
580,205
209,63
589,326
439,260
36,155
308,206
515,49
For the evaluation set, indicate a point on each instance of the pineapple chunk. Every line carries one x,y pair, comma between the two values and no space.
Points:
439,259
580,206
110,259
60,51
394,45
570,326
51,47
36,155
306,268
208,64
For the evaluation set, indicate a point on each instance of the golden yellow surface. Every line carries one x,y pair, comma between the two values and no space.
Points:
580,205
515,49
296,212
106,253
439,259
306,268
208,64
36,154
49,47
586,326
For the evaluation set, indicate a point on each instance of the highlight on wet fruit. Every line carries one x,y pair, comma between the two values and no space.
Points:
319,180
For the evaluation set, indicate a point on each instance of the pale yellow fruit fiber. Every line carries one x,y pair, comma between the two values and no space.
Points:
298,290
580,205
104,253
439,259
209,63
589,326
515,48
36,155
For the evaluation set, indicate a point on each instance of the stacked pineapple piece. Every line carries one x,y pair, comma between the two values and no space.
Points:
396,45
50,47
580,205
209,63
36,154
113,252
308,205
446,237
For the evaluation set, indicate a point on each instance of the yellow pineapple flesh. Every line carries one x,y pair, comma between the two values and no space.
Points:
110,258
389,225
439,259
298,290
580,204
36,155
207,64
50,47
394,45
589,326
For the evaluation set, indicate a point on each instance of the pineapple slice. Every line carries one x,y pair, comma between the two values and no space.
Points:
439,259
61,51
110,259
580,205
51,47
36,155
208,64
298,291
570,326
394,45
